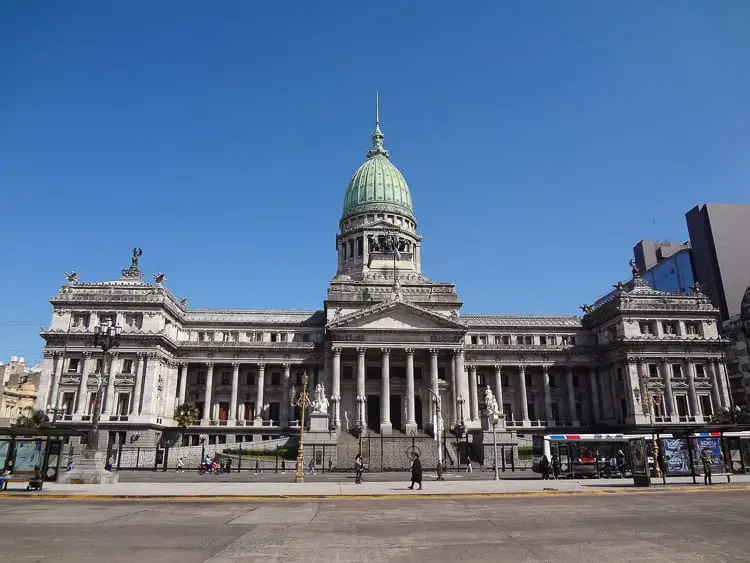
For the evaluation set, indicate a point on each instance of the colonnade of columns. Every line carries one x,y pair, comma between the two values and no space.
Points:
720,392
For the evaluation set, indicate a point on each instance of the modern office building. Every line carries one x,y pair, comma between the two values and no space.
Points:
666,266
720,240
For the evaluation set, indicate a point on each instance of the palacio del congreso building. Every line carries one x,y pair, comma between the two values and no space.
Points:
390,358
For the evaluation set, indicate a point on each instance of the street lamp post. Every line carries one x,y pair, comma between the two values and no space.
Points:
91,465
493,416
106,337
303,401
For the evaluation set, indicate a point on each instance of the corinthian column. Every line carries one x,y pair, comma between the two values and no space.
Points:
209,391
473,394
361,391
411,423
235,389
386,427
259,396
524,399
336,386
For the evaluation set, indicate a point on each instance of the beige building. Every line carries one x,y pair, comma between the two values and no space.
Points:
18,387
386,342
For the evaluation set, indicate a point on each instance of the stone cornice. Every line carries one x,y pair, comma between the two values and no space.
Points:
521,321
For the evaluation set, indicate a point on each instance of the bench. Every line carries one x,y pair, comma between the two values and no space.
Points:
33,482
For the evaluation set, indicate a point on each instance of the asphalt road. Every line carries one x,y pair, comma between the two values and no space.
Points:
274,477
655,527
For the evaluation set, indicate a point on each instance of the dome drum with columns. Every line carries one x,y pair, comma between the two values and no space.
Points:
385,344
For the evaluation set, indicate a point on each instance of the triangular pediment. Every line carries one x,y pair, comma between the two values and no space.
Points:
395,315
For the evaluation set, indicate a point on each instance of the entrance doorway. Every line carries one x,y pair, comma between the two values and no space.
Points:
373,412
396,415
223,412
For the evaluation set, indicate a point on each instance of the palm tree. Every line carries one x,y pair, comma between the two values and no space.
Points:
35,419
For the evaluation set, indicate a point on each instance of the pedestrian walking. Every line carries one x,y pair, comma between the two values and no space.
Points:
416,472
706,460
228,465
311,467
257,466
469,468
283,466
544,467
180,465
440,469
555,467
330,464
359,467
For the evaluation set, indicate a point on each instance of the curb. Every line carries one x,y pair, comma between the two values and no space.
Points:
375,496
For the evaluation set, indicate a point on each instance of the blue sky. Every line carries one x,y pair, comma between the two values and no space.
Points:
541,140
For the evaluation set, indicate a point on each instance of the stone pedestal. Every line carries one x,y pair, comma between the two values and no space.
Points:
411,428
89,469
386,429
318,422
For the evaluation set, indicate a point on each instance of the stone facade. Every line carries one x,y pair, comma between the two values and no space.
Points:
387,342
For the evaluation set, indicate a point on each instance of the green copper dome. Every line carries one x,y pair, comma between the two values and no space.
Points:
377,185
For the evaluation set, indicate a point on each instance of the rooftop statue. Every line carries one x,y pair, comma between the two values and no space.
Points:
137,253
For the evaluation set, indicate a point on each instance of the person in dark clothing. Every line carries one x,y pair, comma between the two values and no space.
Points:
228,466
555,466
416,472
359,467
544,467
440,469
706,460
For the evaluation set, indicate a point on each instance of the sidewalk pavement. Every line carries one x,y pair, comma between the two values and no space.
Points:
311,489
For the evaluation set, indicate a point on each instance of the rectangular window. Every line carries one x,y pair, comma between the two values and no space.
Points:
225,378
305,337
73,365
645,327
123,401
276,378
552,340
481,380
700,370
669,327
519,340
201,378
274,337
706,406
542,340
212,439
682,405
653,371
250,379
676,370
67,402
441,373
127,366
348,370
572,340
134,320
474,340
504,380
552,382
80,320
528,340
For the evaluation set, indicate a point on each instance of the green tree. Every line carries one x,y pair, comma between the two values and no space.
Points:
185,415
35,419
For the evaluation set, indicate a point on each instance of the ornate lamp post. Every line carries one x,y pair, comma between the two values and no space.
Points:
653,400
303,401
106,337
493,417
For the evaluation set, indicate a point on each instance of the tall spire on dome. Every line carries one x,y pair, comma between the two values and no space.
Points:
377,135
